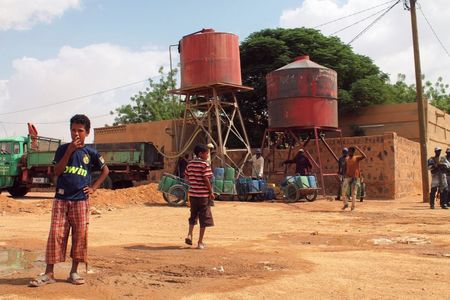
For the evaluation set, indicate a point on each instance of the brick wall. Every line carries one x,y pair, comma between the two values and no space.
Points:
408,178
391,170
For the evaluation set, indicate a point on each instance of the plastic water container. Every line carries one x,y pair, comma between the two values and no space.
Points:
303,183
262,185
288,180
241,186
312,181
230,173
228,186
219,173
270,194
253,186
218,186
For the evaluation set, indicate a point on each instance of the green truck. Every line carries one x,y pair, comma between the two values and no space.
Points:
26,163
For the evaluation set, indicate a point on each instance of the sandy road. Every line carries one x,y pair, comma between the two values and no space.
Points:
384,249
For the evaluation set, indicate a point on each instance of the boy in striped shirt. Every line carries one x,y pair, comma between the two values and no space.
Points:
198,173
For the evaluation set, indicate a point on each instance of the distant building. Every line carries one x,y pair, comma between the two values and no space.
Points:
400,118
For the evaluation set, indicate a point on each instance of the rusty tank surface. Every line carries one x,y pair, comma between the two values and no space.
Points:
208,57
302,94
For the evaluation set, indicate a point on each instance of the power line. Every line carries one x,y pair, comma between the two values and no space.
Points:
353,14
373,23
359,21
79,97
432,29
52,123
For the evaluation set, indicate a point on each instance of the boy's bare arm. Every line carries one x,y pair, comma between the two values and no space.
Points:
362,153
61,165
210,189
103,175
98,182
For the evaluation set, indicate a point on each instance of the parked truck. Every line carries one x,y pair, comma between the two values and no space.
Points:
26,162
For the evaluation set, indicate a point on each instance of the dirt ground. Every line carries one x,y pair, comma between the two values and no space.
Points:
265,250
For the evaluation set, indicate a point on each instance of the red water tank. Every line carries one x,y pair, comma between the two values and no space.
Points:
302,94
209,57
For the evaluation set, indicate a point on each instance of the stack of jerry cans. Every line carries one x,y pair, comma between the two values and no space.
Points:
228,182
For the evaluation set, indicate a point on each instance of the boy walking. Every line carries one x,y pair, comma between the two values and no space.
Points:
198,174
73,166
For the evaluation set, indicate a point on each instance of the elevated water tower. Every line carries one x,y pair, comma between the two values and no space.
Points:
210,79
302,101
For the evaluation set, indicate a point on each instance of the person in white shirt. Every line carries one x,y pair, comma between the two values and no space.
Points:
210,147
257,164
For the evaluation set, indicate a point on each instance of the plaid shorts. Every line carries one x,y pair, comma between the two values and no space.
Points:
68,214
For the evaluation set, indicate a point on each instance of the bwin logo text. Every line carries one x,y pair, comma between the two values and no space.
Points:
76,170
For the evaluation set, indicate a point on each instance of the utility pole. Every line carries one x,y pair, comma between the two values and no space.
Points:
421,105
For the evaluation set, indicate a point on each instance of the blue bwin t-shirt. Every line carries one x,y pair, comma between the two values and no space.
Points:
77,173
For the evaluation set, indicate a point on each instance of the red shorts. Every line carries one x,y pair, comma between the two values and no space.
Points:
68,214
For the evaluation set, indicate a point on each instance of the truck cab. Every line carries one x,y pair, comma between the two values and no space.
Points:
26,162
12,152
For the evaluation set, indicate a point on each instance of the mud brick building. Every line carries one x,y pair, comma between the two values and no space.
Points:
391,135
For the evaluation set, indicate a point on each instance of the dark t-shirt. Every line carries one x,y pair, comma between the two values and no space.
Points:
77,173
302,164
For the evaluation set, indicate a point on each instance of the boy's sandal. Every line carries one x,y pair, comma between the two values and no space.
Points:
188,241
41,280
76,279
201,246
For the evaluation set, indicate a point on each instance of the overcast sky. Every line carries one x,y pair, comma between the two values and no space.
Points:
59,51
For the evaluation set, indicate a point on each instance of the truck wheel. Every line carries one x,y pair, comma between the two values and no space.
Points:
18,191
176,195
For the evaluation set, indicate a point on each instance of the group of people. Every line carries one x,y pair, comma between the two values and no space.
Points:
70,207
440,177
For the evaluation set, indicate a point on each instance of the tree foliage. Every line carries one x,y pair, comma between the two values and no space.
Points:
153,104
438,95
269,49
360,81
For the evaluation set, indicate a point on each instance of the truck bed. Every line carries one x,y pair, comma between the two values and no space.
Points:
142,154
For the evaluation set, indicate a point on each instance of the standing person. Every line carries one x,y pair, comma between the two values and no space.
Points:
352,174
210,147
447,173
199,174
73,166
181,166
438,179
257,165
341,171
302,164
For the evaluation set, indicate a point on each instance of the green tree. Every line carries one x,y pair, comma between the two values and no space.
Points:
401,91
437,94
153,104
269,49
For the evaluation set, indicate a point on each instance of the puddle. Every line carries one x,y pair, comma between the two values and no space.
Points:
14,259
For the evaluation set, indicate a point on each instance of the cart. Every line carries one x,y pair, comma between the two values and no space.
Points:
246,189
174,189
295,188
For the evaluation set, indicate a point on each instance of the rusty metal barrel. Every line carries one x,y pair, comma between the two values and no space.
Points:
302,94
208,57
